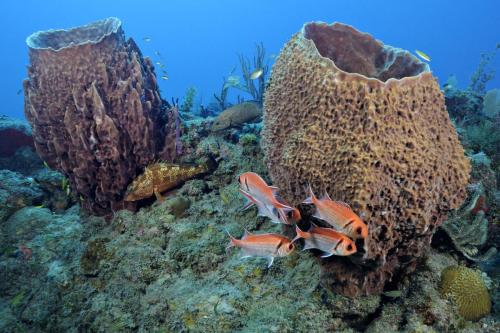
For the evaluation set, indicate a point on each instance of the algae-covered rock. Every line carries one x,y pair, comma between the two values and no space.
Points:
17,191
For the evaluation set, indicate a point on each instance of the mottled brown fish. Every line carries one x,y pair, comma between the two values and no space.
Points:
160,177
237,115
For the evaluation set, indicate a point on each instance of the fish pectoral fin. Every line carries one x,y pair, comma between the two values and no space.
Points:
158,195
248,205
327,254
262,210
307,200
274,189
271,260
308,245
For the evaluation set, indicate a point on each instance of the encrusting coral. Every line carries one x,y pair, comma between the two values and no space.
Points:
467,289
94,106
366,123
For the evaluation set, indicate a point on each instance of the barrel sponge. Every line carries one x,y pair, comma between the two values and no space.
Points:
366,123
467,289
94,105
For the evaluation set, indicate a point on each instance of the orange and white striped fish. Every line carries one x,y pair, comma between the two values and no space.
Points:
338,214
263,245
258,193
327,240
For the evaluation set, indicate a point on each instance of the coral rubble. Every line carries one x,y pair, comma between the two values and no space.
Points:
95,109
367,123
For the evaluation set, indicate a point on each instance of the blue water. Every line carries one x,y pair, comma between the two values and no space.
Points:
199,40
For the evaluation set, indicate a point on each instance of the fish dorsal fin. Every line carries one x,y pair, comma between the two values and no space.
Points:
326,196
274,189
246,234
343,204
313,226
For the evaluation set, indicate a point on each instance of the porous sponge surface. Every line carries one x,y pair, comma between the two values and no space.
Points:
467,289
386,147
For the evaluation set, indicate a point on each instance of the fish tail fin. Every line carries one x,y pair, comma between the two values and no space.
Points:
300,234
232,240
311,199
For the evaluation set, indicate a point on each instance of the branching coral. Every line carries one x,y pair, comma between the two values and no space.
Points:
249,86
188,100
468,227
483,74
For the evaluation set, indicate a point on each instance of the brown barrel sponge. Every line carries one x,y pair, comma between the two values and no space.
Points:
93,103
367,123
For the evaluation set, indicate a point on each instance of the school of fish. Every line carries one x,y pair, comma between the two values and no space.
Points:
338,240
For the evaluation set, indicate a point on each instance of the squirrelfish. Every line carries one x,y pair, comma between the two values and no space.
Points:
258,193
423,55
338,214
327,240
268,246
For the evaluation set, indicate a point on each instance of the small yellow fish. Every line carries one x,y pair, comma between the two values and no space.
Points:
233,80
45,165
81,198
64,183
68,190
39,206
423,55
393,293
164,77
256,73
146,39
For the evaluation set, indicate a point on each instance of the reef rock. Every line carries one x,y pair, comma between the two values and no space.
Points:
14,134
366,123
17,192
94,106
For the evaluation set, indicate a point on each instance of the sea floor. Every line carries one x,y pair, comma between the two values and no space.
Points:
166,269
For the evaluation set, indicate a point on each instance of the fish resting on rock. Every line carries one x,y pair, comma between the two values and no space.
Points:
160,177
237,115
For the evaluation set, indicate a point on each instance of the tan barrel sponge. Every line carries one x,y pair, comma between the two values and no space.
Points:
367,123
94,105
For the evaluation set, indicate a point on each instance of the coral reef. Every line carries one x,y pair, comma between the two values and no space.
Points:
165,268
467,289
14,134
94,107
468,228
366,123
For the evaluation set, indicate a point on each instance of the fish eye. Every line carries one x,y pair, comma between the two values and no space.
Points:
290,246
349,247
358,230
